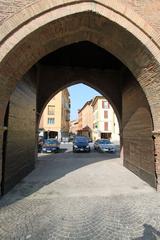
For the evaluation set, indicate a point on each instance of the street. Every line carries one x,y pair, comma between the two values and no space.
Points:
83,196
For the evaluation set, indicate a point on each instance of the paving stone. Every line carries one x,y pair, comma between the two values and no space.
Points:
46,212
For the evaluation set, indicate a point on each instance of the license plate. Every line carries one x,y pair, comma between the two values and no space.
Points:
107,150
81,149
48,151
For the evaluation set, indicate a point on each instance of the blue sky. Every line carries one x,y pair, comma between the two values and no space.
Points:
80,93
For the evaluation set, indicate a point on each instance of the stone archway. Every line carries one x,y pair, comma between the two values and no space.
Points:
58,78
50,27
129,103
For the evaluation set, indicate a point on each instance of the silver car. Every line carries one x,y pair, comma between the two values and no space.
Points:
104,145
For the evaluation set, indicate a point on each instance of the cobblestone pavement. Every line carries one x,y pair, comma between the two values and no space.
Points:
80,197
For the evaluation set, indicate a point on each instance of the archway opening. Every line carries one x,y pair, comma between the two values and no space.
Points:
87,63
78,110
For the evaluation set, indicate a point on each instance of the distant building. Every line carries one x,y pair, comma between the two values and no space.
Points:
56,116
105,124
96,119
73,127
85,120
79,119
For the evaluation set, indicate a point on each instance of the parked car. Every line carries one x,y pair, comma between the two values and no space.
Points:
80,144
104,145
51,145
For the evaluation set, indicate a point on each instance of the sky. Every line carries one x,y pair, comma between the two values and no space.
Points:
80,94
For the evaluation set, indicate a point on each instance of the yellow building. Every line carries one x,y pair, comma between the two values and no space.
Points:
56,116
85,120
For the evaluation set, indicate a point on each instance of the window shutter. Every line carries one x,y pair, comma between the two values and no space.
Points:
105,114
105,126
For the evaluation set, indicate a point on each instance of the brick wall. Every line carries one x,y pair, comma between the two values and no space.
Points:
10,7
21,50
138,144
148,9
20,148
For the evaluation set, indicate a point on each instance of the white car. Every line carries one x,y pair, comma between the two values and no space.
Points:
104,145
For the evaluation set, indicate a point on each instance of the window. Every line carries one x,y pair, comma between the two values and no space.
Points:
51,110
105,114
50,141
67,117
67,105
95,115
105,126
105,141
104,104
51,120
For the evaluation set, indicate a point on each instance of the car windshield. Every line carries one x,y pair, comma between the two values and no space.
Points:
50,141
81,140
104,142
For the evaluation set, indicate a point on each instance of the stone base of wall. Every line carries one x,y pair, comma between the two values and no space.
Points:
11,182
147,177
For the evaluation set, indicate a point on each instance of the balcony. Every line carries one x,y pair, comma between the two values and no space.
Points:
67,117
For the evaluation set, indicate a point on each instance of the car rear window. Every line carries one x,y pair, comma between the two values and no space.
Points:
49,141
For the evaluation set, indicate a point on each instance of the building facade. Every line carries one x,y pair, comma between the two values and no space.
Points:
85,120
55,119
105,124
73,127
96,119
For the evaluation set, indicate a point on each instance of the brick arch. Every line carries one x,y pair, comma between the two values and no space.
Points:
109,25
48,28
40,7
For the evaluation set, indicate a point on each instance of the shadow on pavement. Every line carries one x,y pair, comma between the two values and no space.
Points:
49,168
150,233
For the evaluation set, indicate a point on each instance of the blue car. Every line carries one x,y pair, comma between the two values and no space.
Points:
50,145
81,144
